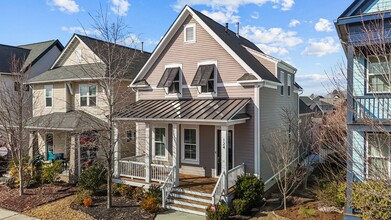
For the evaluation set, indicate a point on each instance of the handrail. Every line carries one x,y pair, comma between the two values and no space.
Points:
278,173
236,168
218,185
167,186
234,173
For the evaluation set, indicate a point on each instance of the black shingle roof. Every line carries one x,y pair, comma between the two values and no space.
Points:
6,55
236,44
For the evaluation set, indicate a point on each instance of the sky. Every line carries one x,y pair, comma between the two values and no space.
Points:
300,32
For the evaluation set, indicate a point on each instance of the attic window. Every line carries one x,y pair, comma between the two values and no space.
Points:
78,54
189,32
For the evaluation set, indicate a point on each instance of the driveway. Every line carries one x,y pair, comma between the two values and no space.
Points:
11,215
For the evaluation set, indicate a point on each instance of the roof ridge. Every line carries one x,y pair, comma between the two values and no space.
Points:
41,42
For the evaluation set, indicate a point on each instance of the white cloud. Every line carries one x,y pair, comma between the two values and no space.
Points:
314,83
273,40
255,15
120,7
287,4
69,6
321,47
312,77
323,25
222,16
134,41
294,23
81,30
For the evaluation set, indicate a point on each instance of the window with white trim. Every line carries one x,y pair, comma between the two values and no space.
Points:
190,33
378,74
289,84
160,142
190,151
378,155
87,95
78,54
48,95
130,136
281,77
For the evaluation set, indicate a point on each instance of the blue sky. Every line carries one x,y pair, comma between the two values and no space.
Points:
300,32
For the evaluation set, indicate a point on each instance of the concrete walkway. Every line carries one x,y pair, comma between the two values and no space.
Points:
172,214
11,215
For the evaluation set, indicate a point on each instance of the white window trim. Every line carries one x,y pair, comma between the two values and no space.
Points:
165,158
88,96
175,95
367,155
371,74
208,94
282,74
193,25
189,161
45,88
289,84
79,55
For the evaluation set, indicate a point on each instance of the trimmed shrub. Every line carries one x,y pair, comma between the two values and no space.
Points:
50,172
92,177
249,188
239,206
217,212
332,193
372,199
149,204
155,192
82,195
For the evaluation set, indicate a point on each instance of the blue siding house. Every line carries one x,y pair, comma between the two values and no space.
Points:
364,30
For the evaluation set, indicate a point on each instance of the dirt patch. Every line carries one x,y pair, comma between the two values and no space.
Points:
308,211
123,208
59,209
10,199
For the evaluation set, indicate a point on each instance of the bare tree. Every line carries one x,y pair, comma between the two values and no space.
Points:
283,154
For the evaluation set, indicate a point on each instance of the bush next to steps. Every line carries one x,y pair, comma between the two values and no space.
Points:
249,188
217,212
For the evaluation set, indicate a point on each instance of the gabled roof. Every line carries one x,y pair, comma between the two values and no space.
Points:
234,45
6,55
37,50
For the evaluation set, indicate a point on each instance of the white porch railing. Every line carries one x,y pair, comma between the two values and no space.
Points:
234,173
218,191
159,172
132,169
168,185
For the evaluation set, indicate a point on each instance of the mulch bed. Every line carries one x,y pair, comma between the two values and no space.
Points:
123,208
10,199
295,213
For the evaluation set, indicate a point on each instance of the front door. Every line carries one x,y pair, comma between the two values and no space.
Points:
230,151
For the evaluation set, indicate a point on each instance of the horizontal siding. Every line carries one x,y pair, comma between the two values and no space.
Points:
87,56
59,99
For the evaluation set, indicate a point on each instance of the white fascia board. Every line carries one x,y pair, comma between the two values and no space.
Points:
65,51
285,66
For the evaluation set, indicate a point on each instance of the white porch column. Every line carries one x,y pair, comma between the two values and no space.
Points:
224,156
175,152
73,158
148,152
32,151
116,150
77,139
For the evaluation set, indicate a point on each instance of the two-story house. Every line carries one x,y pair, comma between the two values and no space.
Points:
364,31
206,101
71,104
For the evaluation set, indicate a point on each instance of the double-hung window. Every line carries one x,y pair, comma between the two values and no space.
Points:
160,142
190,151
378,74
289,84
378,155
282,80
48,95
87,95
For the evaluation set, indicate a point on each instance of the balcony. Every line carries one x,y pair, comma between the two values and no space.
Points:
372,109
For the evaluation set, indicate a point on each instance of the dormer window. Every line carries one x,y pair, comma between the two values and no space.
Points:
190,33
206,78
171,80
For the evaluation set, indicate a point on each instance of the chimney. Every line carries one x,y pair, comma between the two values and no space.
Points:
142,47
237,30
226,27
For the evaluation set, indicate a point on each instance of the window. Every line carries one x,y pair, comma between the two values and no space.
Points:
174,88
289,84
171,80
206,78
190,145
378,147
378,74
78,54
190,34
160,140
48,95
209,86
87,95
282,80
130,136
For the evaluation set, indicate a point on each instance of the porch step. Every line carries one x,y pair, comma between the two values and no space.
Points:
196,198
185,191
189,202
187,209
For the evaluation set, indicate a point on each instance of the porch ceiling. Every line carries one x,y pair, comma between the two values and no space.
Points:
217,110
67,121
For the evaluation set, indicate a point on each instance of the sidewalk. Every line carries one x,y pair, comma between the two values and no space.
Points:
172,214
11,215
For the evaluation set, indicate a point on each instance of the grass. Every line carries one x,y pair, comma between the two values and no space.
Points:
307,212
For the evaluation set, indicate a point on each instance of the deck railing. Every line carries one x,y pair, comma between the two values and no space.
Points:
168,185
159,172
371,108
218,191
234,173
